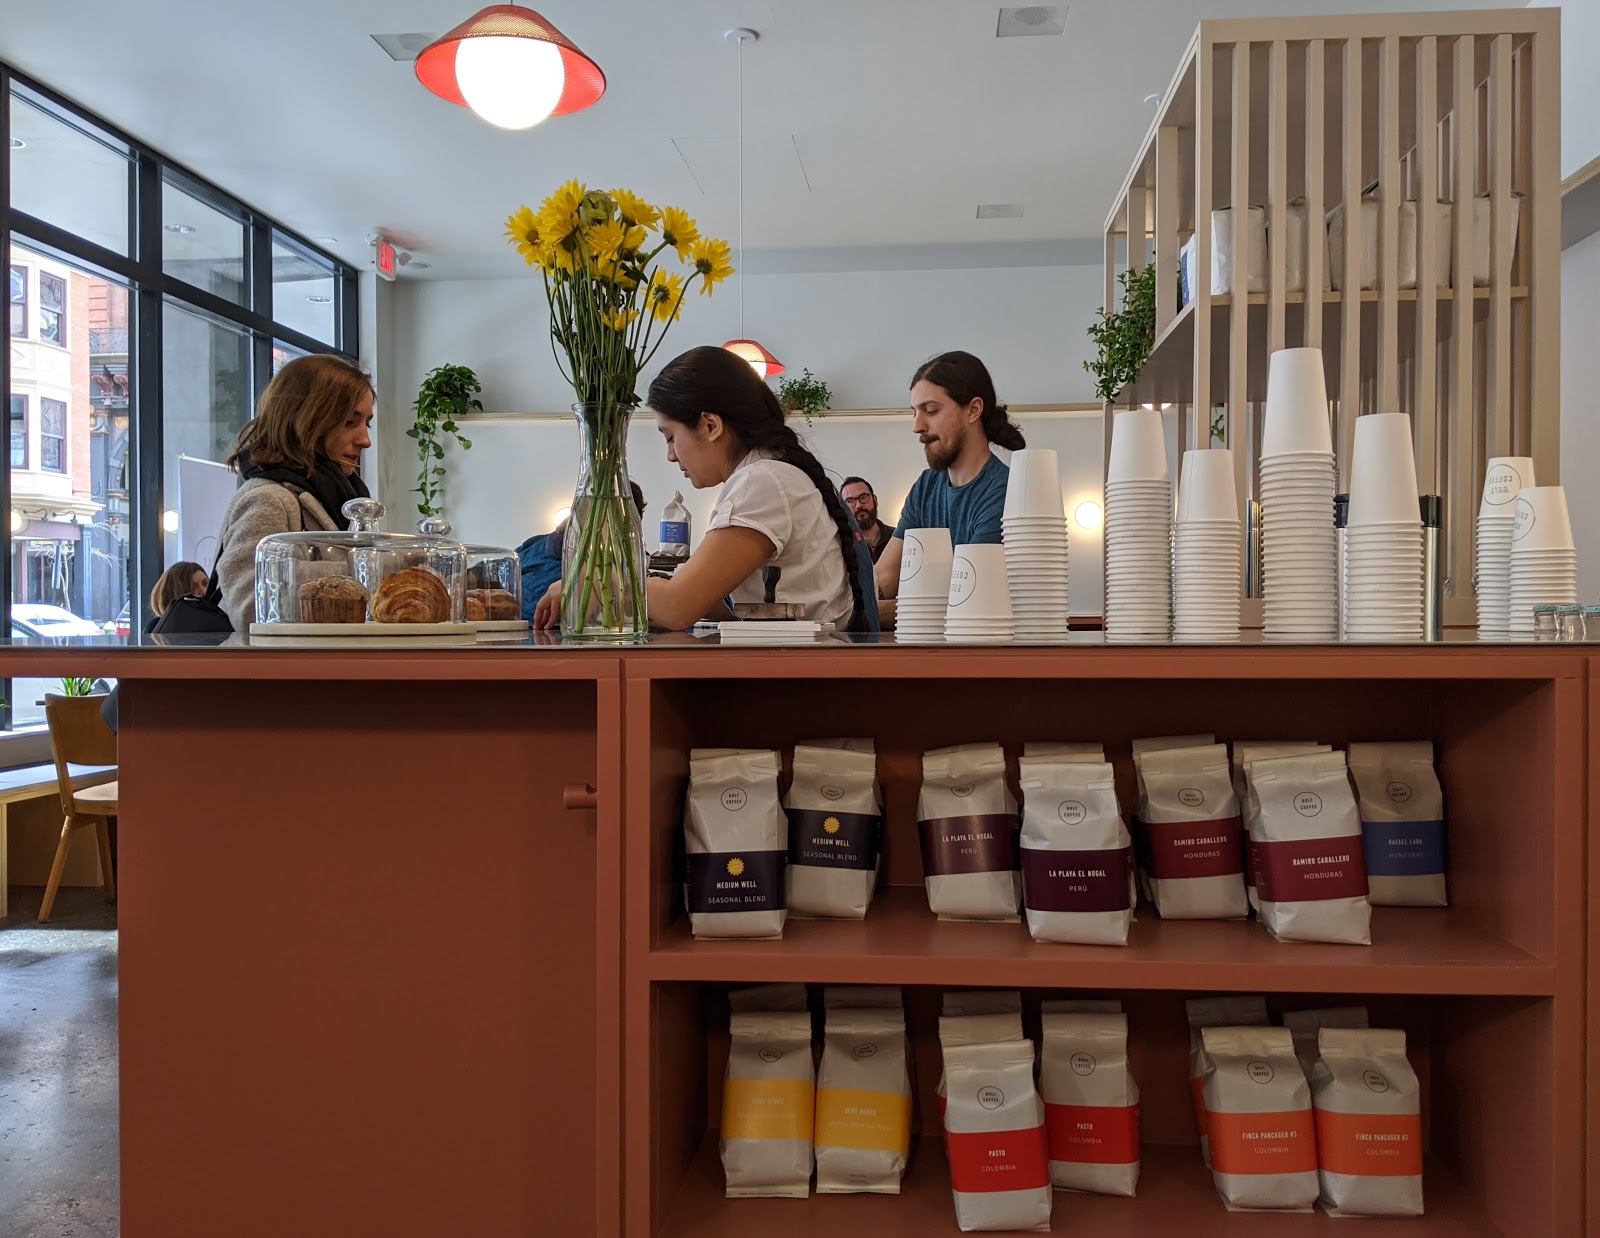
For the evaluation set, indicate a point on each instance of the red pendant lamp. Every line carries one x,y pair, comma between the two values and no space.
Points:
761,361
510,66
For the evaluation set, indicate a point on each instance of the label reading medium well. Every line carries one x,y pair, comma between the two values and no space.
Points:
735,841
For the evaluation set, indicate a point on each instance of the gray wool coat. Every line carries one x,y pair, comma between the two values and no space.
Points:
258,509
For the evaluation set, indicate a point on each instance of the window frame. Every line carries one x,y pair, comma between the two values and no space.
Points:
11,268
61,325
14,420
64,411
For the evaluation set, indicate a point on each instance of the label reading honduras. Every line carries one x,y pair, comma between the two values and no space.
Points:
1075,880
736,881
1308,869
1404,848
1181,849
952,846
833,839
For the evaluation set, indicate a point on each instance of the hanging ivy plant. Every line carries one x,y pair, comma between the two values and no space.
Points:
446,393
1125,337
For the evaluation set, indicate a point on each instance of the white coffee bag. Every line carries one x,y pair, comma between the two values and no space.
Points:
1076,882
1204,1012
1304,1025
863,1125
1193,836
995,1138
736,841
1070,750
1245,751
967,823
1258,1106
1091,1103
1369,1124
1402,823
982,1016
768,998
1313,878
835,812
768,1101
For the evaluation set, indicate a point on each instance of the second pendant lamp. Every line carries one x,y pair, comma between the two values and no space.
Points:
761,361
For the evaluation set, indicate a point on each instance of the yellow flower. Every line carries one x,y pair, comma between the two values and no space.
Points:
665,297
555,224
634,209
620,320
522,230
562,206
560,255
710,259
678,230
634,240
605,240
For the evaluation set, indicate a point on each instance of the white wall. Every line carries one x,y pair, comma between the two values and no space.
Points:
1580,84
1580,424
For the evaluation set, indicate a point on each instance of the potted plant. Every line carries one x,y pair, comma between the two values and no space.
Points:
1124,337
448,392
805,395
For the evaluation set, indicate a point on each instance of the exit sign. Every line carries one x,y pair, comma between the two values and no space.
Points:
385,259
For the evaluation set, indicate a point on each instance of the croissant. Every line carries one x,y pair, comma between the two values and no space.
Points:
411,595
494,604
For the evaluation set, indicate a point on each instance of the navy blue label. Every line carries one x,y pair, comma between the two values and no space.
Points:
674,532
735,881
1404,848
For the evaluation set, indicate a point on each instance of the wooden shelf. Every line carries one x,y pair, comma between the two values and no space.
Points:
1416,950
1175,1196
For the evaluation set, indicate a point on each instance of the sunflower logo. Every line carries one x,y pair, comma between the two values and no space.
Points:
735,867
831,825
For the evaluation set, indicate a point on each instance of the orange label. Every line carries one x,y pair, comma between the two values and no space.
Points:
767,1109
1263,1143
873,1121
1370,1145
1197,1089
1093,1134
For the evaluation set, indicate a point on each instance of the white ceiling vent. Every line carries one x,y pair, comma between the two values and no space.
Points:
1032,19
1000,210
403,47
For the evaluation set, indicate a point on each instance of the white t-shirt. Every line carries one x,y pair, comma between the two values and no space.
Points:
780,502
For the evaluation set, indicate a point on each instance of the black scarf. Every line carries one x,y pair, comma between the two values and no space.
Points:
326,483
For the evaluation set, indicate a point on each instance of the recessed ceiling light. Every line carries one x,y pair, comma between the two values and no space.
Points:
416,264
325,240
17,143
1031,20
180,229
320,300
1000,210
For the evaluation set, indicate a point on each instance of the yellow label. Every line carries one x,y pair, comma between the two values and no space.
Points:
767,1109
873,1121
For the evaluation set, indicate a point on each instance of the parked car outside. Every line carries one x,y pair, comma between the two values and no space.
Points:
47,622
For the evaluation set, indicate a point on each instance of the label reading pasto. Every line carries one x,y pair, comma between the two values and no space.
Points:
767,1109
834,839
1311,869
871,1121
735,881
1180,849
1088,881
1093,1134
952,846
1403,848
998,1160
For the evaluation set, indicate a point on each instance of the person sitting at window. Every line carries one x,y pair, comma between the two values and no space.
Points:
185,579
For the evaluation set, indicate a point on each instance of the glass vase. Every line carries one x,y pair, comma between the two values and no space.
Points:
602,557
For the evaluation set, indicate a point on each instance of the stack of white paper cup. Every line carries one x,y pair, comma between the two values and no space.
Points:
1036,546
1207,575
1383,541
1299,545
1544,558
1491,556
1138,530
979,611
924,585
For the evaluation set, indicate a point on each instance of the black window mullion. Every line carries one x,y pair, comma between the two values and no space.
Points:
5,386
145,427
260,237
72,247
348,308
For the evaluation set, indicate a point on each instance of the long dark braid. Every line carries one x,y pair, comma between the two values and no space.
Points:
711,379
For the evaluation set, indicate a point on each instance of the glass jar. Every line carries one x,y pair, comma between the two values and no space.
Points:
362,576
1591,623
493,581
1569,622
1545,627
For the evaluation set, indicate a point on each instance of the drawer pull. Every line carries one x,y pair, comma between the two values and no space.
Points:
579,795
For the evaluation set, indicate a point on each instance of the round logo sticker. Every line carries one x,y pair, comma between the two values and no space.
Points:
991,1097
1072,812
1191,797
964,790
1082,1063
1501,485
1525,519
734,798
1399,792
1374,1081
833,793
1260,1072
769,1054
963,579
1308,804
865,1051
911,556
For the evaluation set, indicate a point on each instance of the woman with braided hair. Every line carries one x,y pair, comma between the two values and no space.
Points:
724,427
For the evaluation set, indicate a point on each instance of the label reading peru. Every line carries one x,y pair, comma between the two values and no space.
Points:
1263,1143
985,1161
735,881
872,1121
1093,1134
1403,848
834,839
982,844
1181,849
1309,869
1075,880
1370,1145
767,1109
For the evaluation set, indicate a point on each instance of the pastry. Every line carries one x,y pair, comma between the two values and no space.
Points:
494,603
475,608
411,595
333,599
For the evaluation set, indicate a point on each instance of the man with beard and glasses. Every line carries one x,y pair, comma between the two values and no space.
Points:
957,418
863,504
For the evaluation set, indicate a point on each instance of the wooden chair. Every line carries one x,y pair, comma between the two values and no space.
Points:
80,736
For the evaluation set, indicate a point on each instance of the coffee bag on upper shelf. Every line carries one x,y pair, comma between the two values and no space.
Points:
1204,1012
1244,752
967,823
1193,836
768,1103
995,1138
1258,1107
835,812
1402,823
1076,881
1091,1101
736,842
1369,1124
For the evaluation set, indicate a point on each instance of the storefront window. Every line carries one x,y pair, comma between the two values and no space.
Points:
52,308
19,302
202,245
19,431
71,175
52,435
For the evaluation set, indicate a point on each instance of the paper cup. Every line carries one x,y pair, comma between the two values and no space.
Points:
1543,522
1034,488
1383,471
1138,447
1206,490
979,586
925,564
1296,418
1502,479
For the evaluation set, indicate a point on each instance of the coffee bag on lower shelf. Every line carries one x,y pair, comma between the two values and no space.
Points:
1304,1025
1258,1106
979,1016
768,1102
1204,1012
1077,886
769,998
736,842
1312,873
1091,1102
1402,823
1070,750
1244,752
967,824
995,1138
1193,836
835,813
1369,1124
863,1127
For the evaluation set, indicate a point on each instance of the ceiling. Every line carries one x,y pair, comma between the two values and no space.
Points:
873,128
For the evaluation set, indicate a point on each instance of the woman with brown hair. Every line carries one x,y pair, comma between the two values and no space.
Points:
185,579
298,460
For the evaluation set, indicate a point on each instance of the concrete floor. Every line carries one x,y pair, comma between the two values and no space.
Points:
58,1068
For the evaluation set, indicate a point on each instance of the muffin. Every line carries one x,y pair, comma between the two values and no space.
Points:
494,603
333,599
411,595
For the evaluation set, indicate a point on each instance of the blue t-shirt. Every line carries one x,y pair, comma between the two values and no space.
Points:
971,512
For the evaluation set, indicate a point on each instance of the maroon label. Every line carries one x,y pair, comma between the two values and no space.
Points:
1181,849
735,881
955,845
1075,880
833,839
1253,853
1309,869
